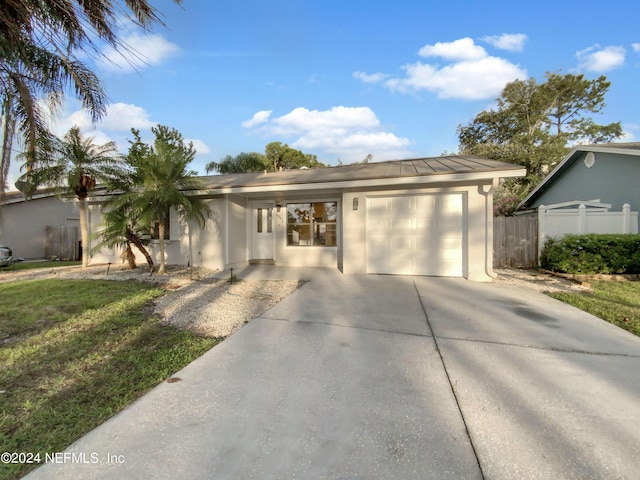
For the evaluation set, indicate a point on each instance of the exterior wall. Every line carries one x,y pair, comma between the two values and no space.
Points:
237,228
188,244
22,224
613,179
231,221
298,256
477,226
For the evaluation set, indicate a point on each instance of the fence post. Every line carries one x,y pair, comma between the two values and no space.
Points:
541,229
582,220
626,218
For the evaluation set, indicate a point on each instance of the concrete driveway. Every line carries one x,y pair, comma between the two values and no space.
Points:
376,377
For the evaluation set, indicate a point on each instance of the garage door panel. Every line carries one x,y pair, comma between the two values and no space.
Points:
415,234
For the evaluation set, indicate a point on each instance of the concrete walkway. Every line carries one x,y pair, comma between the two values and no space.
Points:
345,380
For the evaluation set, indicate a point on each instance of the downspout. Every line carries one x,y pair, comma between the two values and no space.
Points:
487,192
226,231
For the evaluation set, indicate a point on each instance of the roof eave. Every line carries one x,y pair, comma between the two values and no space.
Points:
375,182
548,179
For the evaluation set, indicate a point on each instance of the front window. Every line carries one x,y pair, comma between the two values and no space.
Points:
312,224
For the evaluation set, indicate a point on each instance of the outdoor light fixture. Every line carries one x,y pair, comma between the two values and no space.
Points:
278,207
355,203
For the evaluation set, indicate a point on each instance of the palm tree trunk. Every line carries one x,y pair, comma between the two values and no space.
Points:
161,242
136,241
84,232
7,142
131,258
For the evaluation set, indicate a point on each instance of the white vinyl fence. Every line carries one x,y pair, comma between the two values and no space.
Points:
589,217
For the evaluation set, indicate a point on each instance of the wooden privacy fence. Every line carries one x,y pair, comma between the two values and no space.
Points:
515,241
62,242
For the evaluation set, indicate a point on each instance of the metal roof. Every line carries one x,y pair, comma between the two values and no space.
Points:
396,172
396,169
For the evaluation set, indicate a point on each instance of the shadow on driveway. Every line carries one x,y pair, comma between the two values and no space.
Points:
344,380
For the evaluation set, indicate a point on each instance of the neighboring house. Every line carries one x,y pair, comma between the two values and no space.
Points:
24,225
594,189
609,173
427,216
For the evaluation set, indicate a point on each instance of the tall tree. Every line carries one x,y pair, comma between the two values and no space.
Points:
277,156
40,47
72,166
534,124
241,163
161,181
282,156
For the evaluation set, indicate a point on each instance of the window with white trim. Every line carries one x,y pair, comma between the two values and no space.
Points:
312,224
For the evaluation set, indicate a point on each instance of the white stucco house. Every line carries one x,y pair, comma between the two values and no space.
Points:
426,216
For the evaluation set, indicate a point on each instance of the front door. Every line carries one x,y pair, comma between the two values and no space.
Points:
263,226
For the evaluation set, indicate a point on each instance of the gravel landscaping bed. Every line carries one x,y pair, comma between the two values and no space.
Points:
217,308
540,281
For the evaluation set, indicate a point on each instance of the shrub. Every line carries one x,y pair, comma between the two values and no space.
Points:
592,254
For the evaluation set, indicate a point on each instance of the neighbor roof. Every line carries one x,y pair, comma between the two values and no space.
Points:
447,168
629,148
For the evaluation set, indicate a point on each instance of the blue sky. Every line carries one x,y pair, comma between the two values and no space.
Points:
343,79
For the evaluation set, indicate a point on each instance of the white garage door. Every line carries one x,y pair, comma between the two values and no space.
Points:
415,234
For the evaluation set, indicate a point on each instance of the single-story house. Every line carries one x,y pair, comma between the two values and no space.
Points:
426,216
594,189
609,173
41,227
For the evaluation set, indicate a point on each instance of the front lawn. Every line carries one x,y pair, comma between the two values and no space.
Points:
74,353
45,264
615,302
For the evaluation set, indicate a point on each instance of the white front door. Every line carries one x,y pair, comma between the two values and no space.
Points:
263,227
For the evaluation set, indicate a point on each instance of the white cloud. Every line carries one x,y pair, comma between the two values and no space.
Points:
630,132
599,59
120,117
201,147
125,116
461,49
138,51
337,119
514,42
636,47
469,72
349,133
370,78
258,118
468,80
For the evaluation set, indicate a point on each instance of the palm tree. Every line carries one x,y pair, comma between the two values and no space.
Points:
25,80
121,230
72,166
161,181
39,46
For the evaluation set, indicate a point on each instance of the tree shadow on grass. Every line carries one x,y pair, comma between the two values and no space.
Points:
69,378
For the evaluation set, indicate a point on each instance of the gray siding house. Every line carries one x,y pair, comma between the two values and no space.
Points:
609,173
594,189
23,224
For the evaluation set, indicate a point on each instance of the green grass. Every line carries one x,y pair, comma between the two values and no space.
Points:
616,302
32,265
74,353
